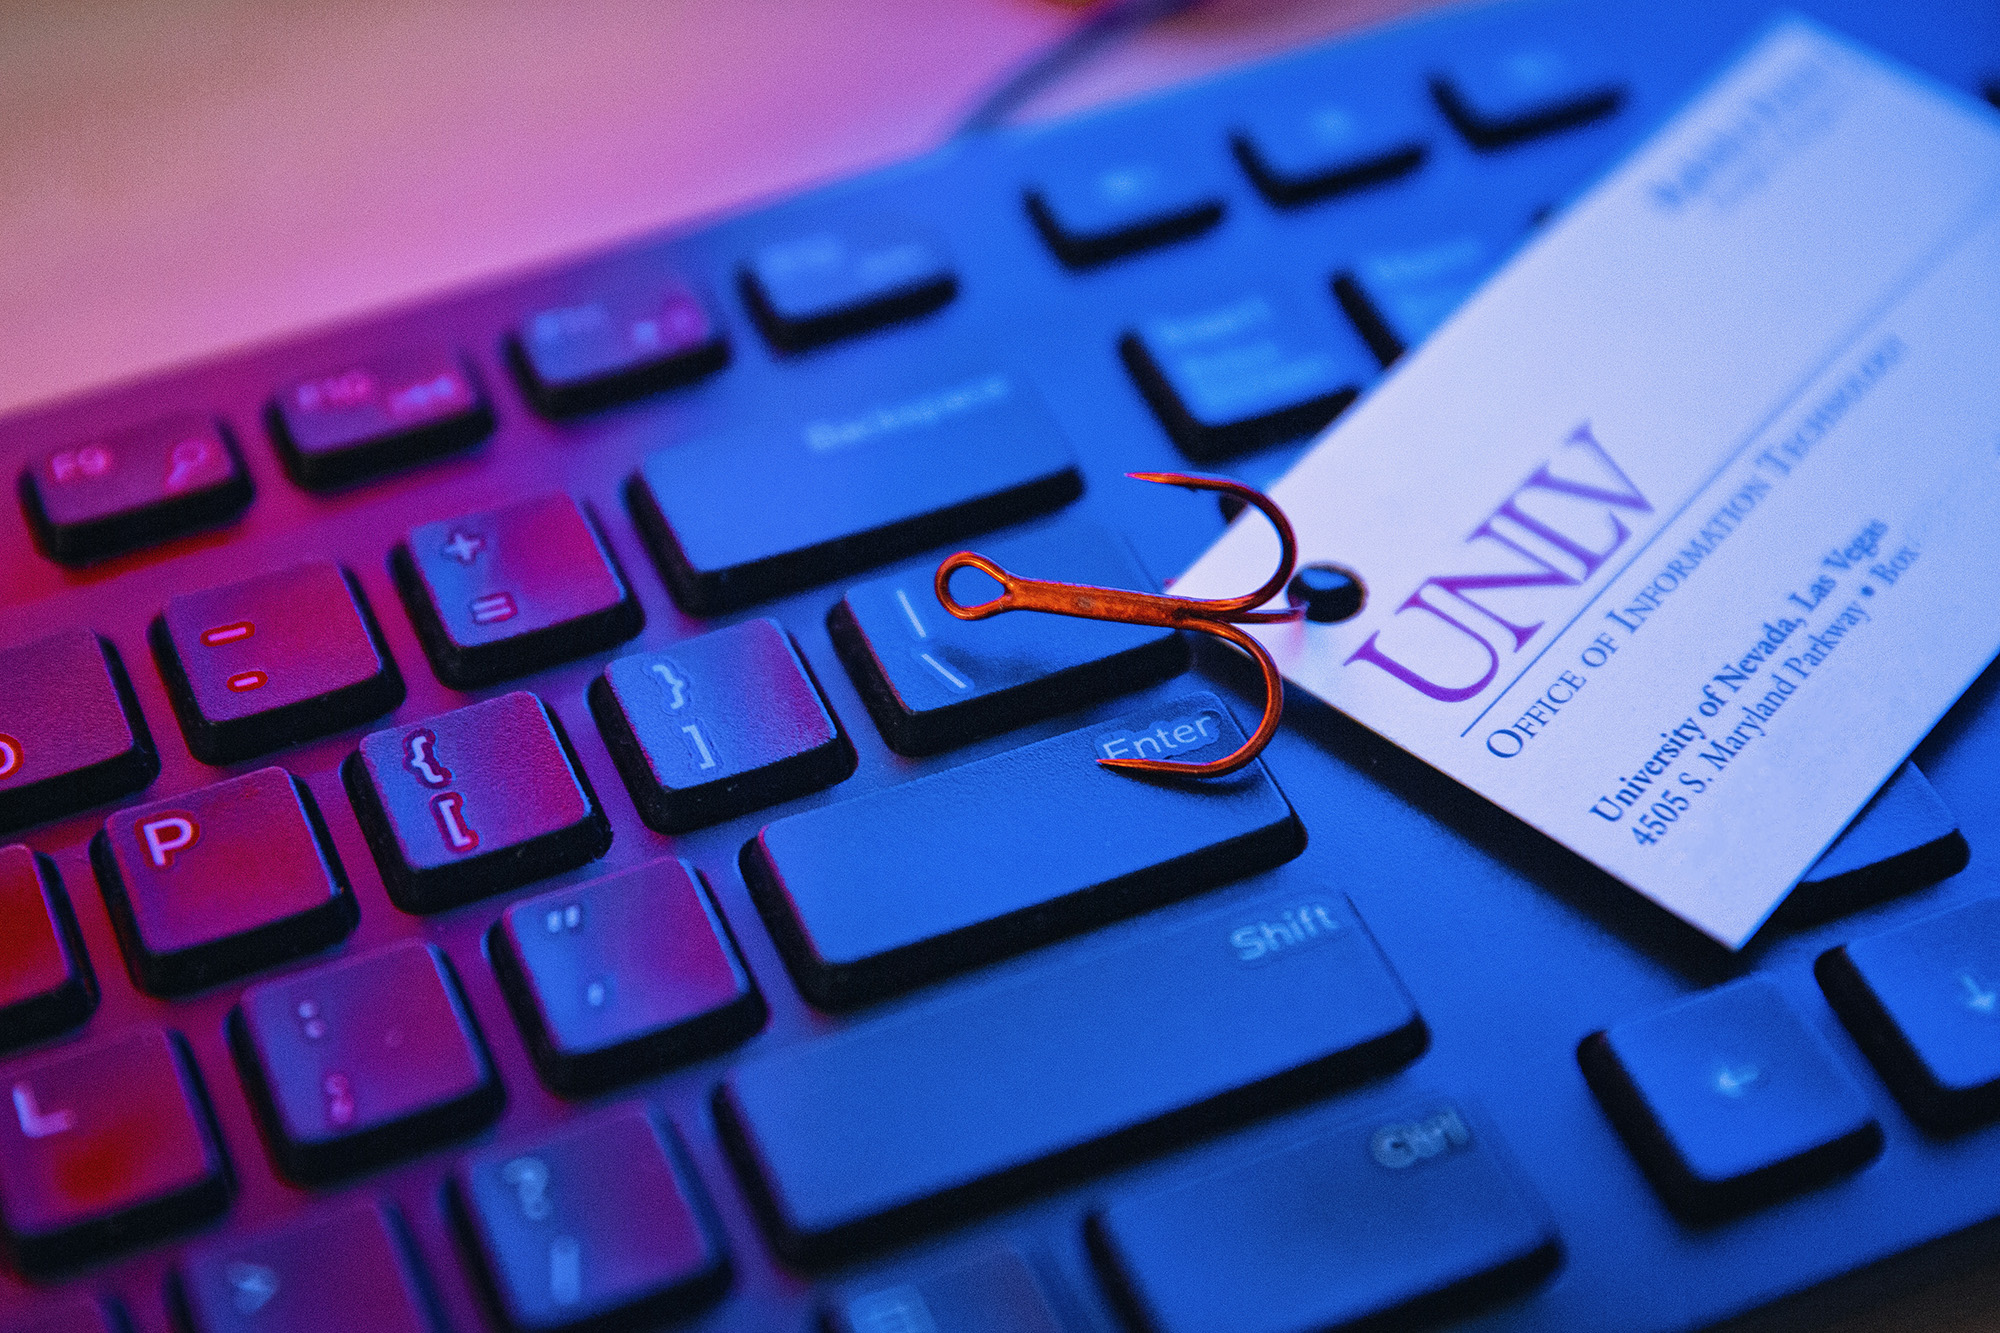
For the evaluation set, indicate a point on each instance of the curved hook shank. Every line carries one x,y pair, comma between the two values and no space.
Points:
1244,754
1288,544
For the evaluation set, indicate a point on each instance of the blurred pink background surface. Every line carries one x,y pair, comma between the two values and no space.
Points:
182,177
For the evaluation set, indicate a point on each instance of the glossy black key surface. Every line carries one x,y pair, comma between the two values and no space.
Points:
1399,1216
346,1270
46,984
1244,372
1316,144
470,802
1118,198
1729,1100
1516,91
1278,996
932,681
386,412
904,885
512,590
995,1293
103,1147
1903,839
738,518
222,881
363,1061
821,285
71,734
1396,297
602,1221
136,488
575,358
719,725
624,976
1923,1000
272,661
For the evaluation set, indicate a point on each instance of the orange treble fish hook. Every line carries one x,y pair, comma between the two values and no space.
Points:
1218,616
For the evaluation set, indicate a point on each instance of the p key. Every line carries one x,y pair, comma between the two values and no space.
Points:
222,881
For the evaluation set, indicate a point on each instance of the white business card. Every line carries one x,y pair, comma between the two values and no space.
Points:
1683,532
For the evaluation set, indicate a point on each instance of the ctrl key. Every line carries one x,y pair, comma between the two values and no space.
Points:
1410,1213
104,1147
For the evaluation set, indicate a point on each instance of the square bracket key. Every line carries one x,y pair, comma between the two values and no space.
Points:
512,590
273,661
474,801
717,726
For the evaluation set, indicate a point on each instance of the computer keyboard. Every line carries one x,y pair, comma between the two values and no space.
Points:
501,835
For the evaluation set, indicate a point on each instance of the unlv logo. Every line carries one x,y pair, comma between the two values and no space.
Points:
1561,523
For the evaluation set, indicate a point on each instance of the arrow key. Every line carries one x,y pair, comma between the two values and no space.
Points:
283,1281
1923,1001
1729,1100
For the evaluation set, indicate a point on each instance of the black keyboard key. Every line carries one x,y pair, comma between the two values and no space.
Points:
933,681
577,358
995,1293
1923,1001
1399,1217
343,1270
1120,199
1903,839
912,883
104,1147
512,590
858,275
71,734
1729,1100
46,984
137,488
736,519
75,1315
955,1104
474,801
1304,148
272,661
624,976
363,1061
222,881
601,1222
1512,92
387,412
1395,298
719,725
1243,373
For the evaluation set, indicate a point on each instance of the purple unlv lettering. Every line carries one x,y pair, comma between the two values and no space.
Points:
1555,556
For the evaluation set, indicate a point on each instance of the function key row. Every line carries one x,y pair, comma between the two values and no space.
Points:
91,501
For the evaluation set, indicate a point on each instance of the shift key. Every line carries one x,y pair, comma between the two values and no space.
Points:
1022,1082
899,887
733,519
